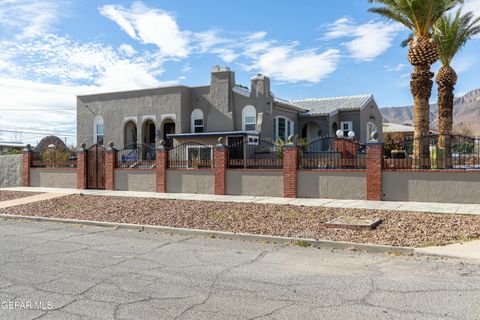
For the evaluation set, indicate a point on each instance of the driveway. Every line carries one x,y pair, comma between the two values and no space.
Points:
55,271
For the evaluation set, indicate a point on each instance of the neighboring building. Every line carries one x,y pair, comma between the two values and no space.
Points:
400,131
7,147
221,109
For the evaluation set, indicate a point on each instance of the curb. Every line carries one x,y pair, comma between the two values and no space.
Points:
325,244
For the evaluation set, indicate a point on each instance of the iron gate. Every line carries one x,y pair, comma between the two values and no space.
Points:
96,167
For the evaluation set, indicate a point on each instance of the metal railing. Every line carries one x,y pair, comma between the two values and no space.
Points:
449,152
52,158
137,156
332,153
255,153
191,155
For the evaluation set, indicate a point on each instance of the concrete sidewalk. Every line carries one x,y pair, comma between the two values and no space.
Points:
329,203
31,199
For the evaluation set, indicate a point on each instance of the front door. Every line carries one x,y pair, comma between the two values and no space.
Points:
168,128
96,167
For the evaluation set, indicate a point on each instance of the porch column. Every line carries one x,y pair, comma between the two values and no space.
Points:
162,164
27,163
290,167
374,170
110,164
82,167
220,162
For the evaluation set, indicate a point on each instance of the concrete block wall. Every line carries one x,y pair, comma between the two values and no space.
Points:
11,171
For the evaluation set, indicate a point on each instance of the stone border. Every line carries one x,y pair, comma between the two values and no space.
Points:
325,244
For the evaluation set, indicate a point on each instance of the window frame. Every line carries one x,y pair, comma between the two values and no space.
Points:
350,126
289,128
197,114
198,147
98,120
249,112
374,126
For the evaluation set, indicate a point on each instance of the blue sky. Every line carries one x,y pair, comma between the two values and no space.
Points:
52,50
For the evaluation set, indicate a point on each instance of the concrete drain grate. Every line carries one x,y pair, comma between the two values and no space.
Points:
361,223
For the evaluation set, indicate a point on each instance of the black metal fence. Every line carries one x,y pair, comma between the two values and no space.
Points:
332,153
192,155
255,153
137,156
454,152
53,158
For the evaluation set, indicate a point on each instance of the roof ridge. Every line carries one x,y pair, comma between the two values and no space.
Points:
333,98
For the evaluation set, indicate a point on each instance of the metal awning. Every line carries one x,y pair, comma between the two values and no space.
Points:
213,134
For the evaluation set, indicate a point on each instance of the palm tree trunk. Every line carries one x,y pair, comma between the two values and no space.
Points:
445,120
421,86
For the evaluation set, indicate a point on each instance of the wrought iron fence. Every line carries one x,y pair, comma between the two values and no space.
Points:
193,155
255,153
137,156
443,152
332,153
53,158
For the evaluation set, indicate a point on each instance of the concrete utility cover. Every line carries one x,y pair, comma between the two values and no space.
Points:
354,223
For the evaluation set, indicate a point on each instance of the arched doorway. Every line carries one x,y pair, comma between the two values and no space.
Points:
168,128
130,135
334,129
311,131
149,133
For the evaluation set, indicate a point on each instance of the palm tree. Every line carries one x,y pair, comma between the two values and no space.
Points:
451,33
419,16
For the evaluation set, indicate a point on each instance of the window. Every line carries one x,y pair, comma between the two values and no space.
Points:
371,128
346,127
98,130
199,156
197,121
283,128
249,118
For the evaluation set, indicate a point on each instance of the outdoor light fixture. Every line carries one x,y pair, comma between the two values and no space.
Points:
351,134
339,134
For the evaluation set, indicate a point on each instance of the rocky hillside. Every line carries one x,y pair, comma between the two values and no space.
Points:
466,114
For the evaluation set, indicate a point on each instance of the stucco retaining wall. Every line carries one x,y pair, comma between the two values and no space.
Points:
53,178
445,187
135,180
255,183
191,181
331,185
11,171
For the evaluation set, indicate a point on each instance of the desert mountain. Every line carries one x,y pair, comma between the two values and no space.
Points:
466,114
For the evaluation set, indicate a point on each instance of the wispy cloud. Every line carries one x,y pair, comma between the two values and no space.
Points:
370,39
396,68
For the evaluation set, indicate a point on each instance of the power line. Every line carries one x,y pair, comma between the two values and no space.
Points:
38,132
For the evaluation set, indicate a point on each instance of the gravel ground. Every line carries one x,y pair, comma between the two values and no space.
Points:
11,195
398,228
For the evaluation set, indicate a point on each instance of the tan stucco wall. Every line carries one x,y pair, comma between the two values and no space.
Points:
191,181
255,183
331,185
53,178
135,180
446,187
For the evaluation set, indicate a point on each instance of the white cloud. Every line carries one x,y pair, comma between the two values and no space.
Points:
398,67
472,5
288,64
150,26
127,50
29,18
370,39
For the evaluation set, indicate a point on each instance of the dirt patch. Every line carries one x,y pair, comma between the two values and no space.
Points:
11,195
397,228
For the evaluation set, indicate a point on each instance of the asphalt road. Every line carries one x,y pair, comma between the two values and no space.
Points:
55,271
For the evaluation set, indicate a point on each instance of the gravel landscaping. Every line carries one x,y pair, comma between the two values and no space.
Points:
398,228
11,195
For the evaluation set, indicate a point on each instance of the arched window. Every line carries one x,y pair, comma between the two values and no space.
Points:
283,128
249,118
197,124
98,130
371,128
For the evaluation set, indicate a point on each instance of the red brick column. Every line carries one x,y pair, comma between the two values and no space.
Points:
82,168
110,164
374,171
162,164
290,167
220,162
27,163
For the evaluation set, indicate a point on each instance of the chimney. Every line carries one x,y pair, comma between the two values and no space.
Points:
260,86
221,86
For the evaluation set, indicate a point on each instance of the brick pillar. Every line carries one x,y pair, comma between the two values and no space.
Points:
290,167
220,158
82,168
27,163
110,164
162,164
374,170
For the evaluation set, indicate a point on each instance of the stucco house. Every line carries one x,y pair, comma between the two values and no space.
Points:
220,109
